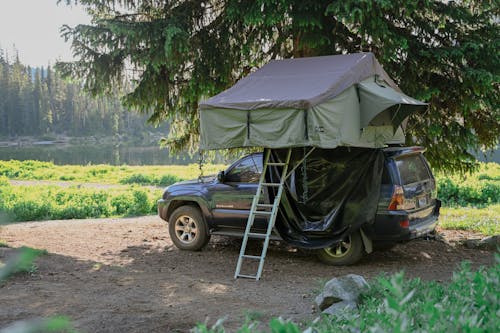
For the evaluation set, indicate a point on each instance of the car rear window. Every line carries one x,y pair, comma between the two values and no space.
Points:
412,169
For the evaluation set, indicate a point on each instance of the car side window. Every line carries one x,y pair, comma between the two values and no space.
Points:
247,170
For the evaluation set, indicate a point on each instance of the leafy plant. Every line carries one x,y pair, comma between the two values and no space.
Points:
21,203
22,262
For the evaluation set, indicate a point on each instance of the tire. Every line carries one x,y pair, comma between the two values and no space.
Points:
347,252
187,228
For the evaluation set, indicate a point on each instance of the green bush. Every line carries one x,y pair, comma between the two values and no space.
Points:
469,303
49,202
479,189
31,210
138,178
167,180
142,179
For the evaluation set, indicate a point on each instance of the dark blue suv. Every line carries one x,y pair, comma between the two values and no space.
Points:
407,207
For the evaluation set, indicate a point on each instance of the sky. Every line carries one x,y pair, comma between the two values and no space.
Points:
33,27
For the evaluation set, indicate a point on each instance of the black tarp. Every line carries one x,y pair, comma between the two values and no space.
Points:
331,194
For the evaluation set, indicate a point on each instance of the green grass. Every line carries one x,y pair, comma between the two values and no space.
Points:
484,220
469,303
50,202
105,174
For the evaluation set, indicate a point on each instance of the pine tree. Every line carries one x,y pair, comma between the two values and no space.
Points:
178,52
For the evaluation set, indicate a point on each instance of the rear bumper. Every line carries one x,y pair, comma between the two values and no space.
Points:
389,226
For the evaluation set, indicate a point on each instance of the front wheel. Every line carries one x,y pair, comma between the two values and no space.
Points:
187,229
348,252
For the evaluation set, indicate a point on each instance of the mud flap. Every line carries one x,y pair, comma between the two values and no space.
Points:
367,242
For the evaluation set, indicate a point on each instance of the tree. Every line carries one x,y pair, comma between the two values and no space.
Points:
178,52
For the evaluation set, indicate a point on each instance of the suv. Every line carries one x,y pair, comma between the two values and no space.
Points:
407,207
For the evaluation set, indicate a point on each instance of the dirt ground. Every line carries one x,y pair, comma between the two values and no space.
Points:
124,275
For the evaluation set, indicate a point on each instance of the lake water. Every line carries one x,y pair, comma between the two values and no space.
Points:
96,154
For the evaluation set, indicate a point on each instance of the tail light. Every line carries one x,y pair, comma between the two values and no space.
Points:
398,200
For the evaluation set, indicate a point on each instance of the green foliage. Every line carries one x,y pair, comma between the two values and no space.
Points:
397,304
21,263
443,52
49,202
483,220
143,179
158,175
469,303
479,189
45,325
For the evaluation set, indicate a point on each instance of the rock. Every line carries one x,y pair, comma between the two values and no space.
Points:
489,243
472,243
345,288
340,307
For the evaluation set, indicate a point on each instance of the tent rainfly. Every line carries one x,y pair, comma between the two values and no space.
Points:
325,102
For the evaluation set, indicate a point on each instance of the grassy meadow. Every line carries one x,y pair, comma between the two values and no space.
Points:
470,201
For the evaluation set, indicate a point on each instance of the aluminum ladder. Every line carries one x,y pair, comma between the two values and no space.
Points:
262,209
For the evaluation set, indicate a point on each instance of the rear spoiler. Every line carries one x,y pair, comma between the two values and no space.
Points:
402,151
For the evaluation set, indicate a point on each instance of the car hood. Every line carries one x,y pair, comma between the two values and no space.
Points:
197,181
189,187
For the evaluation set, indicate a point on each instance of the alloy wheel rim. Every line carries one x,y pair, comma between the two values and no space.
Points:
186,229
341,249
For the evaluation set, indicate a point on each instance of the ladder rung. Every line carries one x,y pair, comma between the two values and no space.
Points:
247,276
265,205
271,184
251,257
276,164
261,212
256,235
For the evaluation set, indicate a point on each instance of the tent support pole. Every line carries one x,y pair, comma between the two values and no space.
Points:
299,162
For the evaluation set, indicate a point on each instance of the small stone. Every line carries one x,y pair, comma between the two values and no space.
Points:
472,243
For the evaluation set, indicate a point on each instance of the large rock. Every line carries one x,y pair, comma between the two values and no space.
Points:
343,289
339,307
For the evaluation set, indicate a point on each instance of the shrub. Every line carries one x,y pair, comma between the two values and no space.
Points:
141,204
167,180
22,203
138,178
31,210
478,189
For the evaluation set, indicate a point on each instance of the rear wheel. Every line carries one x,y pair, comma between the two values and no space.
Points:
349,251
188,229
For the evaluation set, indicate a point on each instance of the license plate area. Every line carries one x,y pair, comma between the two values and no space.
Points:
422,201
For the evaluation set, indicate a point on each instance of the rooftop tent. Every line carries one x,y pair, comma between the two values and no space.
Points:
330,101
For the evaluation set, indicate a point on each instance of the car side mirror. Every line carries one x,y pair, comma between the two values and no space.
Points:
220,176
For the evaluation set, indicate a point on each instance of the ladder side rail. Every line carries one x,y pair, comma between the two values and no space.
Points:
274,213
251,215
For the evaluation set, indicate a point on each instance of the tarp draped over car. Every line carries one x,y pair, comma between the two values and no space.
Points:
325,102
331,193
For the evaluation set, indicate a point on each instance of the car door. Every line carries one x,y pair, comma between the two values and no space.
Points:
232,197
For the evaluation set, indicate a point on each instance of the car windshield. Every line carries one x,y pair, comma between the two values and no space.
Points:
412,169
